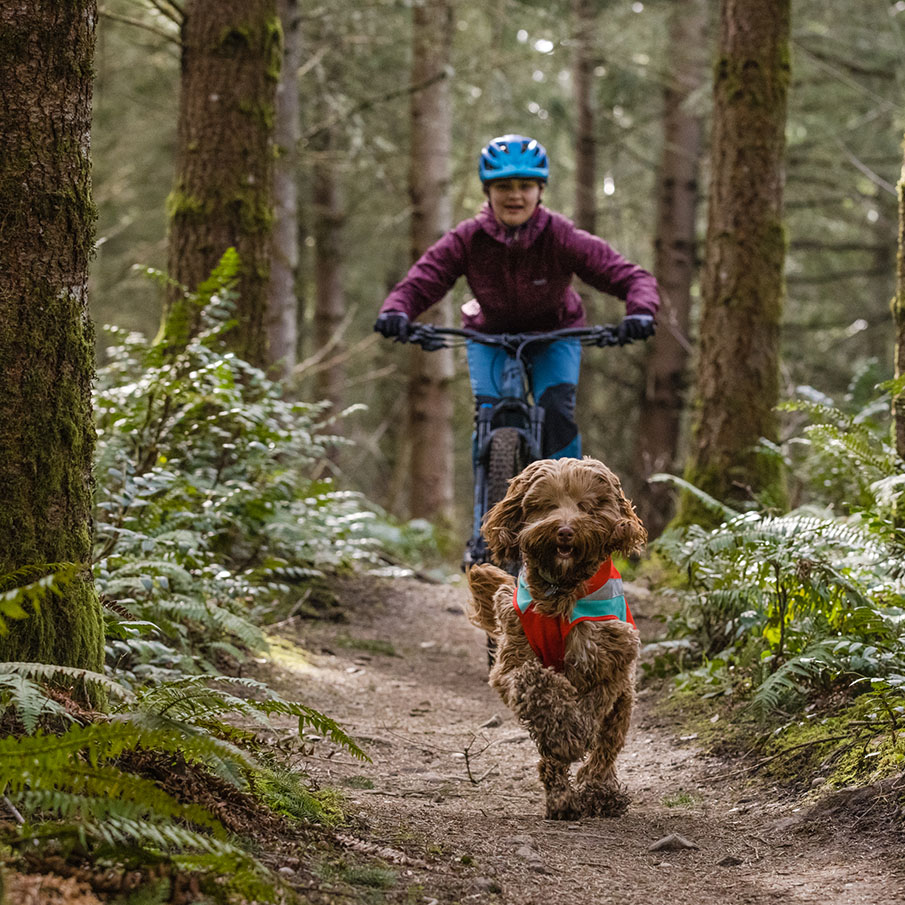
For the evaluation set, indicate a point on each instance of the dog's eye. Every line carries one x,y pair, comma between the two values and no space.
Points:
586,505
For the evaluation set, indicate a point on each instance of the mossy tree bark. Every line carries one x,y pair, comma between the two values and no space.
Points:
46,336
662,403
223,192
282,309
898,311
737,384
431,373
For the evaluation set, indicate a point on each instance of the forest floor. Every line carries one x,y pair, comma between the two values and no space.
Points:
451,810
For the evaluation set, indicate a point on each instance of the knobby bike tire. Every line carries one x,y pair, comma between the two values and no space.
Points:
506,459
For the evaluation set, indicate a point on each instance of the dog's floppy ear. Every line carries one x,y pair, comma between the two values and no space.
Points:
628,535
503,521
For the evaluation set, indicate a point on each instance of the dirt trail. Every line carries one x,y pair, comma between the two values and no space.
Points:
407,676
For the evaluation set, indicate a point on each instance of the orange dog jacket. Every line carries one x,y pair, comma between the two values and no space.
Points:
603,600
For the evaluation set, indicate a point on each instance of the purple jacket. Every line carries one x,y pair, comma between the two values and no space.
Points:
522,278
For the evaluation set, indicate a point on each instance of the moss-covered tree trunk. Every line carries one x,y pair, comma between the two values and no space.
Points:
431,373
738,368
46,337
223,192
662,404
898,311
282,309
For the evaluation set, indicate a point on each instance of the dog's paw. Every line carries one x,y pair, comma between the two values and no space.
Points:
562,807
595,800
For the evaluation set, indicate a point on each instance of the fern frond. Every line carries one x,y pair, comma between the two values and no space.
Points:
790,681
50,672
104,791
818,411
705,498
28,700
192,700
34,761
857,442
185,847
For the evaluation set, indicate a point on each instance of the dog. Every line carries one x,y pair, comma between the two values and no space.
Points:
566,642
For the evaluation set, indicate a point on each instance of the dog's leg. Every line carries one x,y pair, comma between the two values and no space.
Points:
484,581
599,792
561,802
548,704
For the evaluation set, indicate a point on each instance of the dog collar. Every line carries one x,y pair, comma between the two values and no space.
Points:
603,597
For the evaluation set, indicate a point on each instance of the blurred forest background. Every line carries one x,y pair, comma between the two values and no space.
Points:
513,66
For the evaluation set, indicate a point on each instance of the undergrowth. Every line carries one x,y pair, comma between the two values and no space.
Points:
211,517
782,620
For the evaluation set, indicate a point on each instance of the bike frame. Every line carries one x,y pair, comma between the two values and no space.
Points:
516,408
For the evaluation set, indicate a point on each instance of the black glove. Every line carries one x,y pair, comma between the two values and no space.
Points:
393,324
635,326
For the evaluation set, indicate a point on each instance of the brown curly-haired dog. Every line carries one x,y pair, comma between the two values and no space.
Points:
564,518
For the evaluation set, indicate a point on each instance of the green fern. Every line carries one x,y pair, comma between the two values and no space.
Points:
69,787
28,701
193,701
39,760
705,498
233,871
49,672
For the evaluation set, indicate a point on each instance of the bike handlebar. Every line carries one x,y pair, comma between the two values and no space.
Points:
432,337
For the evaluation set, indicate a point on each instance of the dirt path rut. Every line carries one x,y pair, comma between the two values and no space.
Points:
453,804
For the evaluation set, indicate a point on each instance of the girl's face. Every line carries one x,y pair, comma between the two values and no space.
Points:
513,201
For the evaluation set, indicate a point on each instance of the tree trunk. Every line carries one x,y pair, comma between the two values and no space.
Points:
898,310
675,263
738,370
584,22
330,303
431,373
46,336
282,310
223,192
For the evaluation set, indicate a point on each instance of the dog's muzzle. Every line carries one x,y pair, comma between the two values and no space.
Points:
560,546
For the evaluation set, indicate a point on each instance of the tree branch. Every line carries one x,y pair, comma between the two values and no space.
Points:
373,102
138,23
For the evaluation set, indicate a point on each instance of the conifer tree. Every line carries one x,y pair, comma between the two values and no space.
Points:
46,335
737,385
431,373
223,193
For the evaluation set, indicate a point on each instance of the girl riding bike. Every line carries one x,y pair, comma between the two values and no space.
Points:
519,259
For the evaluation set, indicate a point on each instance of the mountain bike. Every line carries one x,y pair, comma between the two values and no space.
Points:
508,433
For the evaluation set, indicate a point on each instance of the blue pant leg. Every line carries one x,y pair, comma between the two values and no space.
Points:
554,382
485,370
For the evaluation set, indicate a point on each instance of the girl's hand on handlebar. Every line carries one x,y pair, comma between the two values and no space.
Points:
635,326
393,325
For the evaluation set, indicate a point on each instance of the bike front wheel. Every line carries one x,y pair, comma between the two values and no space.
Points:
506,459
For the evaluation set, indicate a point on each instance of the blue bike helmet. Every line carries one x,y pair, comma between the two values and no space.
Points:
512,156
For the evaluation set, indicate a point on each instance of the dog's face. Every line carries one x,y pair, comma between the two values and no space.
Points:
566,516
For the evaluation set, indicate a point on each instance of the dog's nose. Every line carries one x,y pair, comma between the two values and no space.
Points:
565,535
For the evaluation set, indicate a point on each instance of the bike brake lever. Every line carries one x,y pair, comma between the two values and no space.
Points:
606,338
425,337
